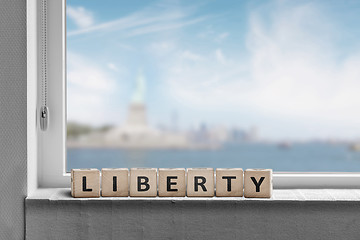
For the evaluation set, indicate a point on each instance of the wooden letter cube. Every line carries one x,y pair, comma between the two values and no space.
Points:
143,182
258,183
85,183
200,182
172,182
229,182
114,182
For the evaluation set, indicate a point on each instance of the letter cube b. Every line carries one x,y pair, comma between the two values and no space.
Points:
143,182
258,183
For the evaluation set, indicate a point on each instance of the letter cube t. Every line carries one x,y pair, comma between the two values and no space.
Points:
229,182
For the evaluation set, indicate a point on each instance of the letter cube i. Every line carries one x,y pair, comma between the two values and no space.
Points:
200,182
172,182
85,183
229,182
143,182
258,183
114,182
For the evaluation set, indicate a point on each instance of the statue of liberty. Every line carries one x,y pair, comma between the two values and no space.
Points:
137,109
140,88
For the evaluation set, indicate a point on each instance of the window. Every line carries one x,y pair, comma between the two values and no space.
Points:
241,84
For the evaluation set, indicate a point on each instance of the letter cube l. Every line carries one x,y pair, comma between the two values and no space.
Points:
85,183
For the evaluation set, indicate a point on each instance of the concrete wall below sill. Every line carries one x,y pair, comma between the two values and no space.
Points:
290,214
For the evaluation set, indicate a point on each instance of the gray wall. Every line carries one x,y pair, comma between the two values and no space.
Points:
192,219
12,118
143,219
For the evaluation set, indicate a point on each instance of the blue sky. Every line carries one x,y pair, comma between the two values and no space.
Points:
289,68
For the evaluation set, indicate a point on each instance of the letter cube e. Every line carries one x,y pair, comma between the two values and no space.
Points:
172,182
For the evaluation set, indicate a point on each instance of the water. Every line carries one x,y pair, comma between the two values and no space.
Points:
309,157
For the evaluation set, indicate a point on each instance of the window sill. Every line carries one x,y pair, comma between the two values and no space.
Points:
289,214
58,194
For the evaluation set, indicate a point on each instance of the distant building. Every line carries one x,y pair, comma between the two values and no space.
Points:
252,135
136,133
237,135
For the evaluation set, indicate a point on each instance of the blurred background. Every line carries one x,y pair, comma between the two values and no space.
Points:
210,83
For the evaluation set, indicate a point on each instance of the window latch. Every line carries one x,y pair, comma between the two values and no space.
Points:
44,118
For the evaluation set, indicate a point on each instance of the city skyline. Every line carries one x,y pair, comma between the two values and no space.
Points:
277,65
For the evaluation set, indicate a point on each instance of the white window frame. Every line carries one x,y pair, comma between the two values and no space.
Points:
47,150
46,166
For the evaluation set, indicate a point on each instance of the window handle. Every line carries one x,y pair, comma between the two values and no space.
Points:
44,118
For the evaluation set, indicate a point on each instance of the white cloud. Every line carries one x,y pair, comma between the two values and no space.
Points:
295,70
85,74
188,55
167,49
83,18
112,67
292,74
89,90
221,37
162,48
211,34
149,20
163,26
220,56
